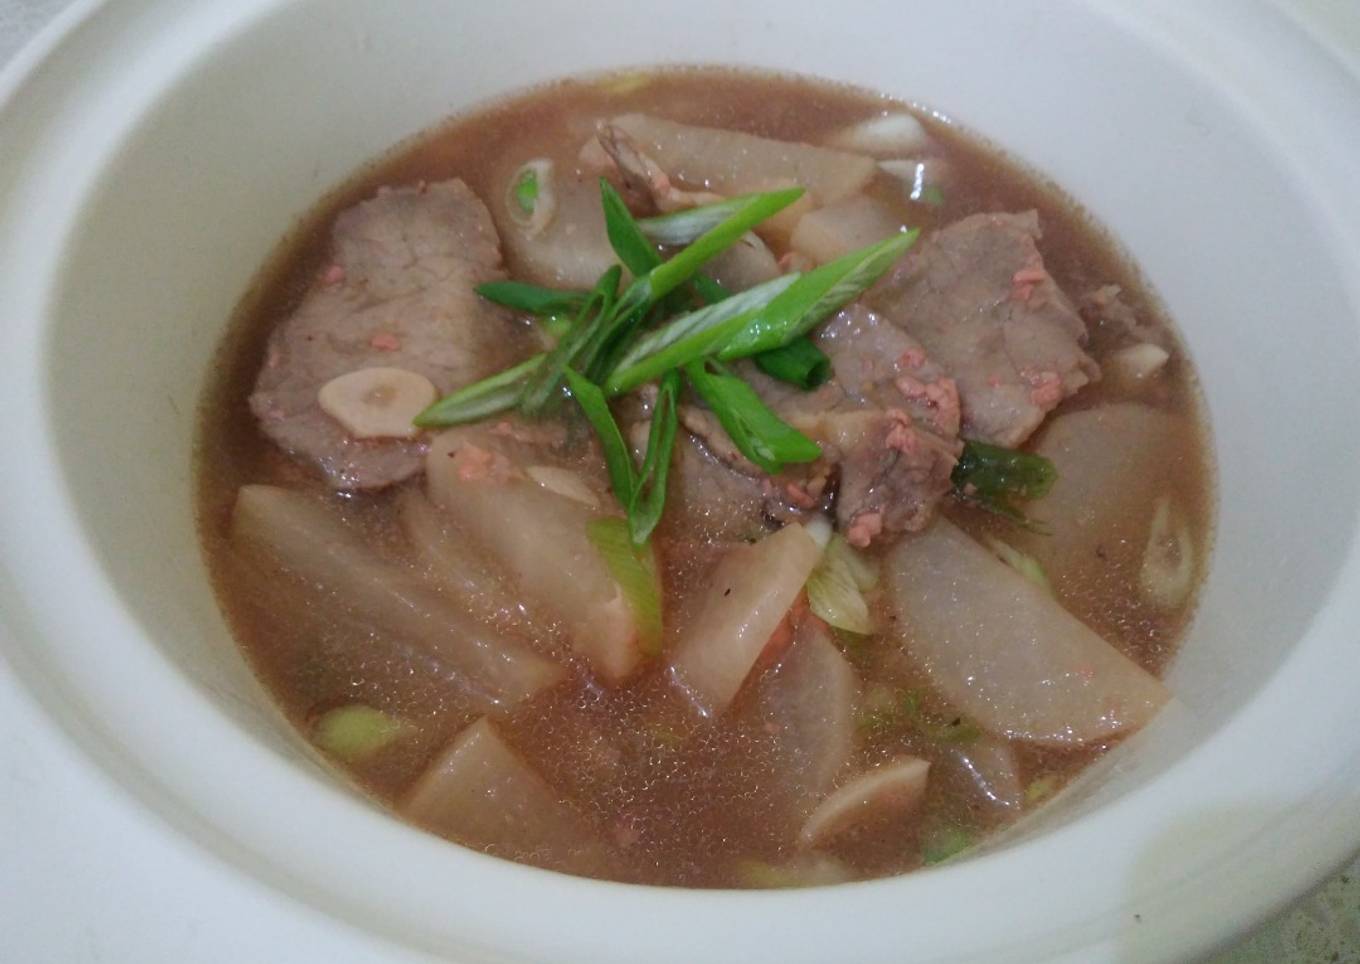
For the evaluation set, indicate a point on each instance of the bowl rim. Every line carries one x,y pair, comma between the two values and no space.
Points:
66,703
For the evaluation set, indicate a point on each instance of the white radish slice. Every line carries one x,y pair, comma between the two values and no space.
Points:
1004,653
989,769
480,792
456,567
732,162
571,251
564,482
894,789
377,402
808,702
301,535
748,594
539,538
1096,519
829,232
883,136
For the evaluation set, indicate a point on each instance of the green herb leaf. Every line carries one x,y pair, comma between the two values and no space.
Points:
993,478
816,296
800,363
622,474
592,317
760,434
533,299
648,498
356,732
526,189
498,393
634,569
690,336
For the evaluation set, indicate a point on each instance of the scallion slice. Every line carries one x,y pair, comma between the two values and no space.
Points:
760,434
498,393
634,569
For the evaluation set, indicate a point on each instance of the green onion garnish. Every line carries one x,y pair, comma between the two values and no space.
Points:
647,289
498,393
533,299
617,458
526,189
649,495
683,227
800,363
941,843
356,732
993,478
759,434
604,348
690,336
816,296
634,569
592,318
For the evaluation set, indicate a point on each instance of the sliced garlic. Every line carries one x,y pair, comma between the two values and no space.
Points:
1168,572
377,402
564,482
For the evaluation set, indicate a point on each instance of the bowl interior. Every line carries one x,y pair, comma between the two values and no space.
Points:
236,122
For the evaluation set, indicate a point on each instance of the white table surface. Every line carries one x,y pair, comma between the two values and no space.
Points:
86,875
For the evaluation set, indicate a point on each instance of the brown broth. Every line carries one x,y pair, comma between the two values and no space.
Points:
683,801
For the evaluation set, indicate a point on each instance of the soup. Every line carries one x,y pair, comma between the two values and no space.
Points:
706,478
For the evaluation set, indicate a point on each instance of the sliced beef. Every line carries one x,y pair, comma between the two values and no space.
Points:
977,297
399,293
1106,309
887,421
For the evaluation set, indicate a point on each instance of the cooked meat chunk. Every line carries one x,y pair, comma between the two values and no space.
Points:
1106,308
977,297
399,294
888,424
894,428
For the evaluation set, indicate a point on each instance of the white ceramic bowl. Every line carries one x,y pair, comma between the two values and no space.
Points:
154,152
